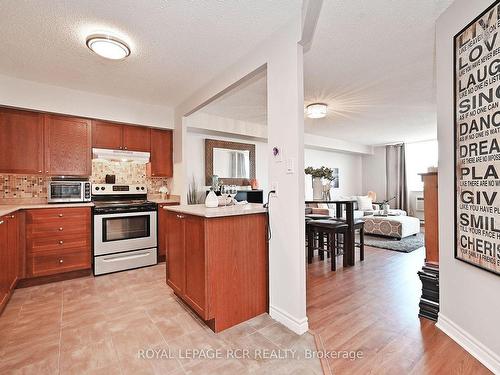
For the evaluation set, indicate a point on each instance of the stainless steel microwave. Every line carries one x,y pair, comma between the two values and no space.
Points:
68,191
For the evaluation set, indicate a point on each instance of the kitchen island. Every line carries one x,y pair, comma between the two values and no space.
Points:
217,261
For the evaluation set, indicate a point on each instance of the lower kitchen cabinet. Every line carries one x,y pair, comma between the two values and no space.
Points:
57,240
162,230
219,266
9,256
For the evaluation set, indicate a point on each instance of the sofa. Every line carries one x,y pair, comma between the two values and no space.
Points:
368,209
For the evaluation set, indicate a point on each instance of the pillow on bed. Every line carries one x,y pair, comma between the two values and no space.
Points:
364,203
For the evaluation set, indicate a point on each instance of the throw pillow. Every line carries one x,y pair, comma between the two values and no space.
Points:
364,203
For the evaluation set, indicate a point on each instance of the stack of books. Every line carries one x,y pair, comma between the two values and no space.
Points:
429,302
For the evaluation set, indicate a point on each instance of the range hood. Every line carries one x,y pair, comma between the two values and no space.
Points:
120,155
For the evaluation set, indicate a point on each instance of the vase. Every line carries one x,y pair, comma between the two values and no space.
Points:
317,186
211,201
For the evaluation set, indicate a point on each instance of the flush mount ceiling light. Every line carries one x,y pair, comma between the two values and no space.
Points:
108,46
316,110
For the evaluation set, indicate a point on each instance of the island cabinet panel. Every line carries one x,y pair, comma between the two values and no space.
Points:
161,164
238,268
176,257
219,266
106,135
195,291
57,240
21,142
162,230
136,138
9,256
67,146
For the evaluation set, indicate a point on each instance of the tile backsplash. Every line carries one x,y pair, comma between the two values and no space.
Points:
34,186
20,186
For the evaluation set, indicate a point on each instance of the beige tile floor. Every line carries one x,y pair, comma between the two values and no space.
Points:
112,324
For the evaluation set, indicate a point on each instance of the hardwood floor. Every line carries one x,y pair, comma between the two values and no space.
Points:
372,308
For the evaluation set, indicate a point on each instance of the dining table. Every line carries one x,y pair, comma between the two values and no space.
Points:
350,240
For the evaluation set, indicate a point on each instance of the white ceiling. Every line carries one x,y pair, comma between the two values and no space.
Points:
177,45
372,63
246,102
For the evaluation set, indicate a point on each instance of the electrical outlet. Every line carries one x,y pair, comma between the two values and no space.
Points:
274,186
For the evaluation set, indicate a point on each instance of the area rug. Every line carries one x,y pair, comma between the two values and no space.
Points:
405,245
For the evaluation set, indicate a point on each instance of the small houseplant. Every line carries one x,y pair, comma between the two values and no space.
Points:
318,174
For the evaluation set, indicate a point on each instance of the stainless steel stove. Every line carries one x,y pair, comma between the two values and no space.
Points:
124,228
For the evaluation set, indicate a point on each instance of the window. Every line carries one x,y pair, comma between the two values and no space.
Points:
419,157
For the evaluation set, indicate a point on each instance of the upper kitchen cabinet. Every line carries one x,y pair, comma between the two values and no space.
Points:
120,137
67,146
106,135
161,164
21,142
136,138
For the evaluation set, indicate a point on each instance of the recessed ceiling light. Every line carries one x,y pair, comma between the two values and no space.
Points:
108,47
316,110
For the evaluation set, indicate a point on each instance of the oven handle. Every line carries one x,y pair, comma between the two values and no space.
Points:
121,257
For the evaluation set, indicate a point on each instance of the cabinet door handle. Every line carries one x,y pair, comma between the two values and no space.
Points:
1,222
125,147
39,171
61,242
61,261
180,216
60,229
60,215
12,216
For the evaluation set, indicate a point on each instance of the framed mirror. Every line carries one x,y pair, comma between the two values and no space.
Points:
233,162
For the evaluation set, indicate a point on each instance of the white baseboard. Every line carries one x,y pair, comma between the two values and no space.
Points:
299,326
469,343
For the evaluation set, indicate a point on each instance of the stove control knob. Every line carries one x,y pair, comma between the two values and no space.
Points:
102,188
142,188
97,187
137,188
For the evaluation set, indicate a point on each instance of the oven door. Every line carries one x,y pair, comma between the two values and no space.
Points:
119,232
66,192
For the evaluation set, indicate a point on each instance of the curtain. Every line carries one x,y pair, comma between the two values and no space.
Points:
396,185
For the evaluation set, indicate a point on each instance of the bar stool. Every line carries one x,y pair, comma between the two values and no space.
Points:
359,225
321,233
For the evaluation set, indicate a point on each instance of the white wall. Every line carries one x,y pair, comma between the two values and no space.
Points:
469,297
350,171
20,93
374,173
195,158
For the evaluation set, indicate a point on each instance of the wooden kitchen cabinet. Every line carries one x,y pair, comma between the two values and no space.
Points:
57,240
162,230
9,256
21,142
67,146
219,266
161,164
106,135
120,137
136,138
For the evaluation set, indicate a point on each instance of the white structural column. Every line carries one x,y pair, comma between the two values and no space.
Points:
285,108
281,55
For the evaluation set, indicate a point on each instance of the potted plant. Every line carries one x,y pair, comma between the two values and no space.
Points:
321,191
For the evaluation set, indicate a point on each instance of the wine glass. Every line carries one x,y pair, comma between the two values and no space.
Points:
224,192
233,190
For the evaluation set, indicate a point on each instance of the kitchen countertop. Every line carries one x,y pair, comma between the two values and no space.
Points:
201,210
6,209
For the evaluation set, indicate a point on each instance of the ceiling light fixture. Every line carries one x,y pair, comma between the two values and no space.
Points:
108,47
316,110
